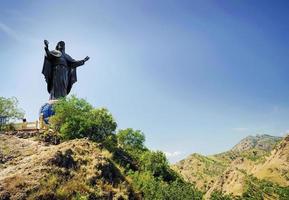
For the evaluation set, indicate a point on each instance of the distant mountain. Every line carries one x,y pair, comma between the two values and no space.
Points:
262,142
260,162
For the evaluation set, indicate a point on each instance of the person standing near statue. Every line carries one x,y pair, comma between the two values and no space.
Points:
59,70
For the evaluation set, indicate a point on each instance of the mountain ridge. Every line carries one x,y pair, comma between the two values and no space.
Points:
263,157
260,141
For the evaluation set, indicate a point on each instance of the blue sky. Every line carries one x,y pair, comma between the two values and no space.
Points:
194,76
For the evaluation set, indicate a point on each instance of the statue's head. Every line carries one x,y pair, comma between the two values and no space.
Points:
60,46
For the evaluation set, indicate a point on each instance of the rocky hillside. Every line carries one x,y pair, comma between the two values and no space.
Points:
30,169
260,161
201,170
276,166
262,142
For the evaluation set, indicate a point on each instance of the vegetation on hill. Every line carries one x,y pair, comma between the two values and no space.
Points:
255,189
149,172
90,161
76,118
9,108
201,170
264,189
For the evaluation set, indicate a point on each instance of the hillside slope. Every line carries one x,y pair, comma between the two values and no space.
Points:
30,169
264,157
276,166
201,170
269,178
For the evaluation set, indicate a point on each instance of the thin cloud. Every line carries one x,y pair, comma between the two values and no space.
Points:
172,154
13,34
10,32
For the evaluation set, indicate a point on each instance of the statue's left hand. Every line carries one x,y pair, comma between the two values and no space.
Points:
86,59
46,43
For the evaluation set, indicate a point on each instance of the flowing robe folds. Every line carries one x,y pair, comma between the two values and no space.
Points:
59,70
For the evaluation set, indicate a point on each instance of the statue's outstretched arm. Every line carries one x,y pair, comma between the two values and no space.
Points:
76,63
48,55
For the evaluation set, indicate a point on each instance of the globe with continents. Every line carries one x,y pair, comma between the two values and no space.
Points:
47,111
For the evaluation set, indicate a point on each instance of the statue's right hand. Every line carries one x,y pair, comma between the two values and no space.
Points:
46,43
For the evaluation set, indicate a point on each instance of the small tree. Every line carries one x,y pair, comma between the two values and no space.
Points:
130,139
157,163
9,108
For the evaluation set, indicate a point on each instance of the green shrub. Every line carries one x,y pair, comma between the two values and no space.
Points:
263,189
132,142
7,127
9,108
182,190
130,139
157,164
110,142
76,118
157,189
9,111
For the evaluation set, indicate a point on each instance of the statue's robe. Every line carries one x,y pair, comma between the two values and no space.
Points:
59,70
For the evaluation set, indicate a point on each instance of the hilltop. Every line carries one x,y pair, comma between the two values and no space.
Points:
262,142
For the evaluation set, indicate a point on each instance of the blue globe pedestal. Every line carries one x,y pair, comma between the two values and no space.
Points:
46,111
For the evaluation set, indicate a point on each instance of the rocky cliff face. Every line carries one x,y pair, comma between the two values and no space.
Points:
261,142
263,157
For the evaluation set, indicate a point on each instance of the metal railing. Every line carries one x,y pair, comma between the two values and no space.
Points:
37,125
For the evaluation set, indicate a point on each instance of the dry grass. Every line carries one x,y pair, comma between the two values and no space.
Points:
76,168
276,166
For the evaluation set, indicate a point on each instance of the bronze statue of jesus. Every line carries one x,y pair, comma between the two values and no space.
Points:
59,70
